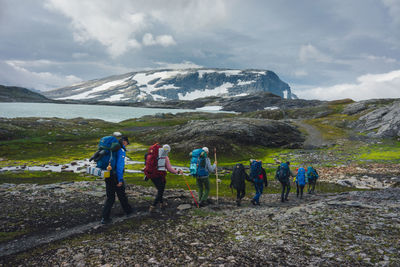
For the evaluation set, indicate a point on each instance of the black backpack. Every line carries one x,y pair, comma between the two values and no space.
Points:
282,173
238,176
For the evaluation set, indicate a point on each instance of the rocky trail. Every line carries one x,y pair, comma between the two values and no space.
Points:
347,229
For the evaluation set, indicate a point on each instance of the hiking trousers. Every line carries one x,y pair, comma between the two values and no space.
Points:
159,182
111,190
240,193
285,185
203,184
259,186
311,185
299,189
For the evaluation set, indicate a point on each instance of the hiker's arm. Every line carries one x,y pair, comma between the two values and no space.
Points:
264,177
210,168
168,166
120,166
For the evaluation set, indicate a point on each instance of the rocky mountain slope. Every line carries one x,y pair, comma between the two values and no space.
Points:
185,84
19,94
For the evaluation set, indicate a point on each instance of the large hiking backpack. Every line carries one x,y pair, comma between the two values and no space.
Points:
106,154
238,177
151,169
301,176
195,161
283,172
255,170
312,173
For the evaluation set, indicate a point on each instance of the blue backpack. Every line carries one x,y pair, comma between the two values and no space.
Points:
301,176
282,173
312,174
195,161
107,152
255,170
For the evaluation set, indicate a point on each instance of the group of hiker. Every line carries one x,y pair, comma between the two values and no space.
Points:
111,154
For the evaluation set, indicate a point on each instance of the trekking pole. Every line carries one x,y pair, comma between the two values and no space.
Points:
216,170
190,191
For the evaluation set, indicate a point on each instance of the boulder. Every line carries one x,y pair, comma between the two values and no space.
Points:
228,134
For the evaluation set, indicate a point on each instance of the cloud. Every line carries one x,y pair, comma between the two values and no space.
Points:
163,40
394,10
311,53
385,85
182,65
14,73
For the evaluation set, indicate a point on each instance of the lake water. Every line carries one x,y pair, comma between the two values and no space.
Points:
69,111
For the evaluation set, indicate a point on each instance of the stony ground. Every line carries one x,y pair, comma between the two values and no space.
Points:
346,229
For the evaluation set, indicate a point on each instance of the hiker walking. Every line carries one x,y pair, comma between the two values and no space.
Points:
203,168
115,184
300,181
238,178
157,165
282,175
312,176
259,178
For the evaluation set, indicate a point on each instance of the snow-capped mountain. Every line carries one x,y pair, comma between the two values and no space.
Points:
185,84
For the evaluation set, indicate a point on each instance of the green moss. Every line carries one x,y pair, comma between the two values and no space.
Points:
6,236
36,177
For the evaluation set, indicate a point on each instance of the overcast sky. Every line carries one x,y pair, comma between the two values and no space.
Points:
327,49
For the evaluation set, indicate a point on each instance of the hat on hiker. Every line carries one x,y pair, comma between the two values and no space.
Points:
117,134
124,138
166,148
205,149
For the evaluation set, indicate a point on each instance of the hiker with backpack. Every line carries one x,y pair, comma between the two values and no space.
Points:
300,181
283,173
156,166
312,176
238,178
200,168
259,177
113,160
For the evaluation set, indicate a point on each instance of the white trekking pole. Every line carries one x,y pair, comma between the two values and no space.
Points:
216,171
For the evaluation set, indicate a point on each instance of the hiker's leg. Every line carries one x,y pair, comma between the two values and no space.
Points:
287,190
206,183
200,187
260,191
297,190
283,191
243,193
301,191
123,199
313,186
159,184
238,194
110,193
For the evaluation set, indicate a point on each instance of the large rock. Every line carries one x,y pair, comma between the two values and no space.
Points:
227,134
382,122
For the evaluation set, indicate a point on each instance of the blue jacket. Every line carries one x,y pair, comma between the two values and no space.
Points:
301,176
120,164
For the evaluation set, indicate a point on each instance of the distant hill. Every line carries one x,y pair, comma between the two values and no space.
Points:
168,84
19,94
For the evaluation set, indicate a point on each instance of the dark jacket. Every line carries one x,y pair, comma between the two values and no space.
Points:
238,177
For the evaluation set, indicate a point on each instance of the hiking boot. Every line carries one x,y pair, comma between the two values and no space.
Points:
282,200
202,204
105,221
238,202
209,201
253,202
286,199
163,205
132,211
152,208
257,204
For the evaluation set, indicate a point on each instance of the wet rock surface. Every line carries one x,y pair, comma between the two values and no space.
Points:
346,229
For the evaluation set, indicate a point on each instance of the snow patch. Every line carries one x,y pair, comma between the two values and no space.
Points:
285,94
223,89
216,108
113,98
240,82
271,108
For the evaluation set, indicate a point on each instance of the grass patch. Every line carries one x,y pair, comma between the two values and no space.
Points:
387,151
38,177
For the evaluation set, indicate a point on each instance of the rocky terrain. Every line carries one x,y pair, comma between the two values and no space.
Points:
346,229
228,133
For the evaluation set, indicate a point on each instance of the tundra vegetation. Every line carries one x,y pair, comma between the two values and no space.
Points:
349,221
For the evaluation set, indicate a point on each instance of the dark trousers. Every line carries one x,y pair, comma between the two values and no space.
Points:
111,189
259,187
285,185
299,189
311,185
159,182
240,193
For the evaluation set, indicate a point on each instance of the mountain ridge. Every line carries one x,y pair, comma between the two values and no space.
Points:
172,84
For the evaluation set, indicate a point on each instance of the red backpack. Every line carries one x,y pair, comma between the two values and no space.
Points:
151,163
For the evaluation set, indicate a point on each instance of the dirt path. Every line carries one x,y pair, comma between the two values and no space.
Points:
314,137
